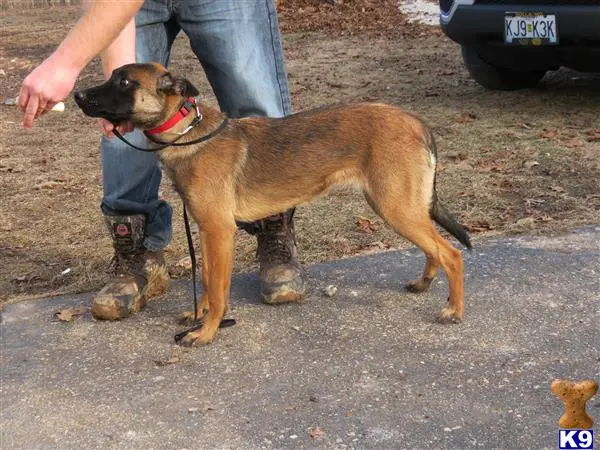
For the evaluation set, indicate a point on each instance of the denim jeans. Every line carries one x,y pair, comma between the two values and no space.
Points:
238,44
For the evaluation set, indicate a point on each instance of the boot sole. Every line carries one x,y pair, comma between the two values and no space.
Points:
109,307
284,293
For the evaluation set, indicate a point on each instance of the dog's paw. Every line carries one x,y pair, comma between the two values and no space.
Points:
203,336
449,315
187,318
419,285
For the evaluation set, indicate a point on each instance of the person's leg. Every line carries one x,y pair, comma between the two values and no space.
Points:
132,178
139,222
239,45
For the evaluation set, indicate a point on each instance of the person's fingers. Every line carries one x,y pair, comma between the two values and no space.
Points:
31,110
42,108
125,128
23,98
107,128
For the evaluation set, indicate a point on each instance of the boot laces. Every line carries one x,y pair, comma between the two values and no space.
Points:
127,263
275,242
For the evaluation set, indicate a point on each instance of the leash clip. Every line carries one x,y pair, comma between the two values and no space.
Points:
196,120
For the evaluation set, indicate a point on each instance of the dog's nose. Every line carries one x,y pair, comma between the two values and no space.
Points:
79,96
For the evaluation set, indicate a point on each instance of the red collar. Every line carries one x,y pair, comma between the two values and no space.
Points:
189,105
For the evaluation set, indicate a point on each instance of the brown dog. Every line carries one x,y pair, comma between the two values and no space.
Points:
248,169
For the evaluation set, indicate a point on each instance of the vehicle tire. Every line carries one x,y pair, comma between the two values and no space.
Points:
496,78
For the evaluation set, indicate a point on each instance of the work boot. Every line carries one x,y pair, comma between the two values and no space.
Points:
138,274
280,272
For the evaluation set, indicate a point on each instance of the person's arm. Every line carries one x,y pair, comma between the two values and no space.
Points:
119,53
54,79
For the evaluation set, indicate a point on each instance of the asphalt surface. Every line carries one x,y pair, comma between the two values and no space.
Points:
366,368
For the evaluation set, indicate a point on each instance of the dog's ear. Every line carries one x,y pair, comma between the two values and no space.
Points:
176,85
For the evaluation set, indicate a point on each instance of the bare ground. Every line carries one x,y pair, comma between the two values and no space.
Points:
509,162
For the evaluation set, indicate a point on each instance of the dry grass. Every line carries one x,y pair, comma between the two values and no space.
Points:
509,162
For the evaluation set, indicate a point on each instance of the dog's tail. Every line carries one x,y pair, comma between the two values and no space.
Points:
440,214
448,222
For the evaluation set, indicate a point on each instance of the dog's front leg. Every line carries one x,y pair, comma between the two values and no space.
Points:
188,316
217,256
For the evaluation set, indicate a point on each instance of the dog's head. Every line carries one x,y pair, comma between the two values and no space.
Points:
143,94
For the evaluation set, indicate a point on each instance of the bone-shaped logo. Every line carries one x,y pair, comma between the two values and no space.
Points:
574,396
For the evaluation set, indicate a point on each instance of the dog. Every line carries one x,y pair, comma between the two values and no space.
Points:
247,169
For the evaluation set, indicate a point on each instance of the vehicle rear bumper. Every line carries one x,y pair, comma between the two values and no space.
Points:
473,23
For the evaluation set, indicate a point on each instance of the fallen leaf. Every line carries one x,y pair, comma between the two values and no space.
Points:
172,360
549,134
527,222
365,225
47,185
185,263
316,433
505,183
491,167
458,156
573,144
534,201
524,125
466,118
383,244
67,315
11,169
479,225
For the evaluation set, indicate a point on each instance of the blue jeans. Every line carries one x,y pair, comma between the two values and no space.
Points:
239,46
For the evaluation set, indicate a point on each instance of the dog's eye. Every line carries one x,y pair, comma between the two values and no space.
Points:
124,82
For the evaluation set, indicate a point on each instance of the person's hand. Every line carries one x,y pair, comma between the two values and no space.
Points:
47,85
107,128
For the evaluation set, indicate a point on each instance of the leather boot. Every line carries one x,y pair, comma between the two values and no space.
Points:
280,272
138,274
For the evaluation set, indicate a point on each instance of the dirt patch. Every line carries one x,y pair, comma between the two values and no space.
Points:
509,162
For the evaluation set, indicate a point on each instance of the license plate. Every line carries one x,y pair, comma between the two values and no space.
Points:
523,28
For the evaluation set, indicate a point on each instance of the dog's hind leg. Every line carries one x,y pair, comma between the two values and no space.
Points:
413,222
423,283
432,266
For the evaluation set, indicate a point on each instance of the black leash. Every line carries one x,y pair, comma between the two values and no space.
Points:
192,251
188,232
164,145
